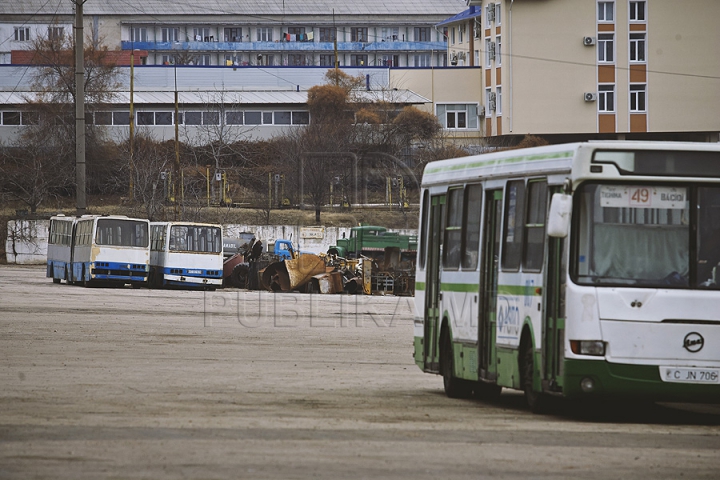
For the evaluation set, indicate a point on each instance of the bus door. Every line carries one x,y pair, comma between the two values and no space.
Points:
488,284
432,287
553,324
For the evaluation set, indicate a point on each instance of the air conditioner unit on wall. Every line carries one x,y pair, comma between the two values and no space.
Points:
590,97
490,13
492,50
481,111
587,41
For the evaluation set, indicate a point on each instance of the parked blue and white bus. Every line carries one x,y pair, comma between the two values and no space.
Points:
95,249
184,254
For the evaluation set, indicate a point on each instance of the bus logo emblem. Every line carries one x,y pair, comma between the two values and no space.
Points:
693,342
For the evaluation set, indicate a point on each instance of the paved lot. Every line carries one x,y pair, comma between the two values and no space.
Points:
123,383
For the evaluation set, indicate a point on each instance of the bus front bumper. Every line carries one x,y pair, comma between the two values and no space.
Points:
636,381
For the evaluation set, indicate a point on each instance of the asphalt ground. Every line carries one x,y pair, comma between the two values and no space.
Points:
135,383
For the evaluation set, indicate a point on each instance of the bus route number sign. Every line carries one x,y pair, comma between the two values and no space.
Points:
642,197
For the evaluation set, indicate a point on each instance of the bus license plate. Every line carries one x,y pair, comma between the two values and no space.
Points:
690,375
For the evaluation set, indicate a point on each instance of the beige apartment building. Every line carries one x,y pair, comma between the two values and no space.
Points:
578,69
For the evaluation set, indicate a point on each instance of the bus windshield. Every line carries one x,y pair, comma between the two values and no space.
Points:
641,235
195,238
121,233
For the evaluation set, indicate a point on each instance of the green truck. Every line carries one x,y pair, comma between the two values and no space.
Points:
371,241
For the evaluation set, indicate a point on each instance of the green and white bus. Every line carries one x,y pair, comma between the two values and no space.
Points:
583,270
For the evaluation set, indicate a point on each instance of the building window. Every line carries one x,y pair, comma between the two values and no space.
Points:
461,31
253,118
264,34
637,11
637,47
296,59
193,118
298,33
168,59
138,34
233,34
456,116
121,118
57,33
22,34
605,47
452,36
638,97
11,118
145,118
327,60
422,60
477,58
300,118
445,34
498,100
358,60
282,118
202,34
391,34
328,34
606,98
488,58
163,118
103,118
498,16
488,101
422,34
358,34
606,11
170,34
267,118
233,118
498,52
390,60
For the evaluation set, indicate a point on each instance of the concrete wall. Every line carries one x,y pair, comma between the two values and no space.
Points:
27,240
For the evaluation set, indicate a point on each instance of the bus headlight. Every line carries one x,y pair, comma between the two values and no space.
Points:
588,347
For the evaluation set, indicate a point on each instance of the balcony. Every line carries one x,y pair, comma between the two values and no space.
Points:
395,47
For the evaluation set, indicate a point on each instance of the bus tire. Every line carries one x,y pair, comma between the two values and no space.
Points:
454,387
537,401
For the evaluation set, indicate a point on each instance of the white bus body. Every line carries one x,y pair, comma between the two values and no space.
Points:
624,302
99,249
184,254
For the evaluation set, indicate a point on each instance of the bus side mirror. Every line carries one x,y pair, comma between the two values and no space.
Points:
559,217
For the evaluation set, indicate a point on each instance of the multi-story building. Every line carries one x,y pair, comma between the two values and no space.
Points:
578,69
222,32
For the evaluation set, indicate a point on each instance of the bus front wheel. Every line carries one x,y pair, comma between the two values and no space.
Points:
537,401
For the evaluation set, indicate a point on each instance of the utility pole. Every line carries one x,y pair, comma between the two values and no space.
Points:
80,194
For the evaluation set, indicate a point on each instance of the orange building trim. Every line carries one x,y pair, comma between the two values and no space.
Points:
638,73
499,126
498,76
606,123
606,27
638,27
488,77
638,122
606,73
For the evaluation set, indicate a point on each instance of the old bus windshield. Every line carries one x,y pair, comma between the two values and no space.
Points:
641,235
122,233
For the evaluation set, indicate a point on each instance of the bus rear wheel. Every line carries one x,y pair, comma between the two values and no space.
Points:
454,387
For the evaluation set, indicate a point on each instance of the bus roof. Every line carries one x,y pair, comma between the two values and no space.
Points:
547,159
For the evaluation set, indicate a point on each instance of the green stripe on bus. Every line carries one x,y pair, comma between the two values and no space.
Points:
515,290
520,290
459,287
500,161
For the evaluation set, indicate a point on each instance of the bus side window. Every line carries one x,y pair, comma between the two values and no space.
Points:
453,230
513,225
535,226
424,228
471,226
